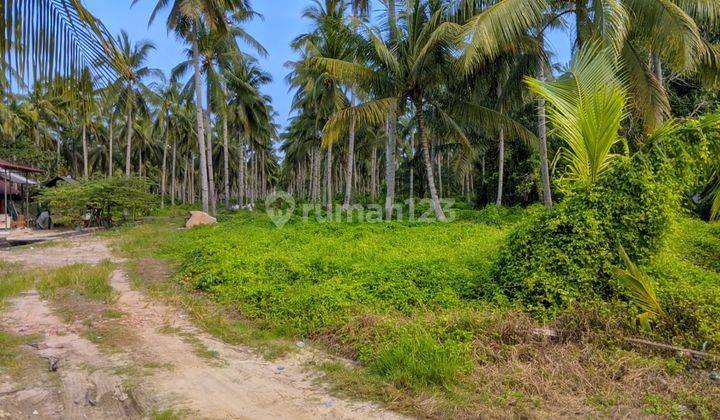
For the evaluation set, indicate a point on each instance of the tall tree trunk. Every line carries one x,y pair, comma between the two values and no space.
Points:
185,183
316,174
542,135
204,193
312,174
226,162
440,178
241,171
412,171
210,163
373,174
110,148
350,167
86,171
501,159
581,19
428,161
164,163
174,160
128,147
390,166
328,179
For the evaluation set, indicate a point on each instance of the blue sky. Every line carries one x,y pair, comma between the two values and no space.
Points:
282,22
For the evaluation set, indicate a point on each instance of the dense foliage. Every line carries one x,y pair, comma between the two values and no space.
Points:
104,199
564,255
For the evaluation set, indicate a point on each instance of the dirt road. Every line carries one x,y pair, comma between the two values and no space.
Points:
158,366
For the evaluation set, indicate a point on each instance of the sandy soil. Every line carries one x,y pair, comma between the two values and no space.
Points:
81,250
234,383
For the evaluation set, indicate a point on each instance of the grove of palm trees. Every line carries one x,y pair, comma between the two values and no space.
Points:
474,209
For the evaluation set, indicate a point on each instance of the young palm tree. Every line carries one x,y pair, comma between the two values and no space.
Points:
587,107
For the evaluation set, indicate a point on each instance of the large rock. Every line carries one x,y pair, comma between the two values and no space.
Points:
199,218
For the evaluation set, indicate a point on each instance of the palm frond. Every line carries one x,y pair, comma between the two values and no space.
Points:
649,98
640,289
372,113
40,38
489,32
612,22
587,107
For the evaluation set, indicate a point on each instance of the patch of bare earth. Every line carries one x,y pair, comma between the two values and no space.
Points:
166,363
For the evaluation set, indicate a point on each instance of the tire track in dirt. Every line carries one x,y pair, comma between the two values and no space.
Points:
235,383
88,388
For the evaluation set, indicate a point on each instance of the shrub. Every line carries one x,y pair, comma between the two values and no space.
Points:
105,197
684,157
565,254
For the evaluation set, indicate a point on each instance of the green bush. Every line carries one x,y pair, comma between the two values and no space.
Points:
564,255
685,156
107,198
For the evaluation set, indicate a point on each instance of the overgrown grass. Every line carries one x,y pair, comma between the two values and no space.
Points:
13,281
404,300
87,281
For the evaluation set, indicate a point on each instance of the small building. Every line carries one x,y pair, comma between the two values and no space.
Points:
15,185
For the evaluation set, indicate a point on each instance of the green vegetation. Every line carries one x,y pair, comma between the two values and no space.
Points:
520,312
404,301
566,254
85,281
105,199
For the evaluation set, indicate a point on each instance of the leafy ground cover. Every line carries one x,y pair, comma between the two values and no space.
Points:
411,303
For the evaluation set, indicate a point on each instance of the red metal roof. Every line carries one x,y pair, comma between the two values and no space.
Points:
15,167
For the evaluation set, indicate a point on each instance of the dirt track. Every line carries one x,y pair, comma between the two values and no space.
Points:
93,383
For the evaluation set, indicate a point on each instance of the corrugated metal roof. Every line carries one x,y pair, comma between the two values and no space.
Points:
16,178
4,164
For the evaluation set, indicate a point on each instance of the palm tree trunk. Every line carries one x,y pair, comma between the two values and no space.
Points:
128,147
501,159
428,161
373,174
241,171
164,164
200,126
210,163
226,163
174,160
581,17
440,179
328,179
350,167
86,172
542,135
390,166
110,149
412,171
185,183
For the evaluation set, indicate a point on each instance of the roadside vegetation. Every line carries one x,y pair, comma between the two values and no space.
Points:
596,294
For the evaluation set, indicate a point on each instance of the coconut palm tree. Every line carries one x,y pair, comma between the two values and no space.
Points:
131,84
407,73
186,18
